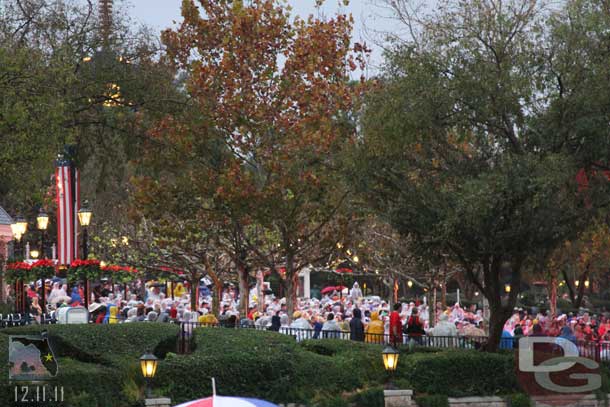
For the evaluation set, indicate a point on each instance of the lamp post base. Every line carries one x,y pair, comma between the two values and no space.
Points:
158,402
398,398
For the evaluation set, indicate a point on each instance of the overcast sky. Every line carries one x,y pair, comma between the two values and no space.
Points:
162,13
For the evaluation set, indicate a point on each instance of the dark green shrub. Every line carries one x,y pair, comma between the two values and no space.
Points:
479,373
372,397
102,361
332,401
268,365
435,400
104,343
519,400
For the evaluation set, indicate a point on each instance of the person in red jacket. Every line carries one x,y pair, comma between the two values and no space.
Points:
396,326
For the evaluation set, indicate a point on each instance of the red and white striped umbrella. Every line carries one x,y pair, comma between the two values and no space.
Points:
219,401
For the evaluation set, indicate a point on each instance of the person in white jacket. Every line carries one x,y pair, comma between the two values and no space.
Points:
331,328
445,333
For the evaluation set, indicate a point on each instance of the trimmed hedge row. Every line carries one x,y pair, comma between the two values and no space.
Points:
275,367
461,373
270,366
99,367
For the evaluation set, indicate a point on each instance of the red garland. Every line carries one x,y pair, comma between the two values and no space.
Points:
121,274
84,263
120,268
44,263
18,266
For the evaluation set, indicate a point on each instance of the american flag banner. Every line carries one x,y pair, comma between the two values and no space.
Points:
68,198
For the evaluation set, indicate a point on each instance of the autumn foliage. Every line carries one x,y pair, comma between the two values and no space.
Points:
271,107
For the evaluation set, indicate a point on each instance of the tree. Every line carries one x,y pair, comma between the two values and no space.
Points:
453,153
168,248
273,95
578,262
57,74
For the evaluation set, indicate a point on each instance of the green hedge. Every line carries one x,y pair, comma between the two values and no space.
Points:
461,373
99,367
270,366
519,400
437,400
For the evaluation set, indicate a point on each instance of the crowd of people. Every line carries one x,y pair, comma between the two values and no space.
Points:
346,314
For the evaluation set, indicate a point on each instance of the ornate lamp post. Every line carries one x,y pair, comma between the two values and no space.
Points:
42,222
390,360
84,218
19,228
148,364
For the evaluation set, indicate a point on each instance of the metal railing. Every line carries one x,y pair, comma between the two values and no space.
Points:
186,343
598,351
22,319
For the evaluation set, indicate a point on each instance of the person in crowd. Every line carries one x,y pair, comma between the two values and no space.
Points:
444,327
396,325
375,329
356,326
317,326
506,340
355,293
75,298
151,317
276,323
208,319
113,319
567,335
299,321
415,327
331,329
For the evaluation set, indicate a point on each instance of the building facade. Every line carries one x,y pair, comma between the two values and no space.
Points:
6,235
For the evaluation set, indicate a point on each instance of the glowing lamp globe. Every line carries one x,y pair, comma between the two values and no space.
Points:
148,364
390,358
84,216
42,220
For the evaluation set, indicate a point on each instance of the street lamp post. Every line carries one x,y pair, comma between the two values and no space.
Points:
84,218
148,364
390,361
19,228
42,222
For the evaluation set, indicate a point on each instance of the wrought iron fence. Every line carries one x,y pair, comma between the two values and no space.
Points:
186,343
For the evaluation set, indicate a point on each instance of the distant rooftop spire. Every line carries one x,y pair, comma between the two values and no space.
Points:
106,18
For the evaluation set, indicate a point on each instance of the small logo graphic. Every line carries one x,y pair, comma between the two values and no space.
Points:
31,358
556,371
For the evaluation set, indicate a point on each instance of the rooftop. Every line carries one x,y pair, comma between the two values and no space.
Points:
5,219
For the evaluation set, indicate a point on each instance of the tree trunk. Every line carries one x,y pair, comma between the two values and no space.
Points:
216,293
553,295
569,285
498,318
244,291
434,307
291,285
216,298
194,284
444,294
500,306
581,288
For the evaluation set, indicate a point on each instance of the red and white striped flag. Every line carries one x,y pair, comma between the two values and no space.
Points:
68,198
